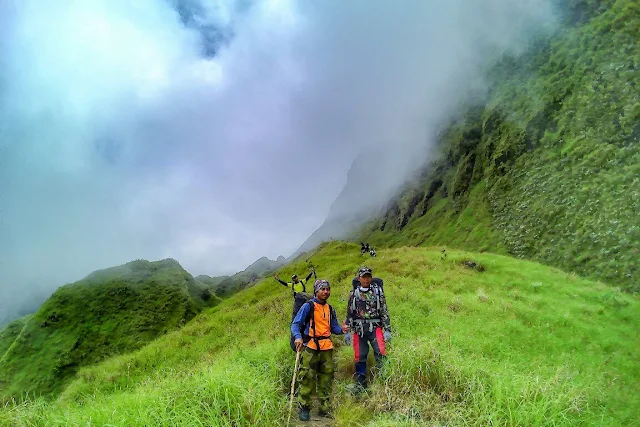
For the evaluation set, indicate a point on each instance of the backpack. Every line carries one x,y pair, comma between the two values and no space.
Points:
299,299
377,292
309,319
376,280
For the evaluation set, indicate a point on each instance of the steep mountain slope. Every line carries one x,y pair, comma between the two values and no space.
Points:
515,344
548,168
111,311
368,187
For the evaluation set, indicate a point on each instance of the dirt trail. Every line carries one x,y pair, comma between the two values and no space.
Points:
316,421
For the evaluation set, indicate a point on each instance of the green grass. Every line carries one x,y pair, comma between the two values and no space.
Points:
442,224
111,311
516,344
546,170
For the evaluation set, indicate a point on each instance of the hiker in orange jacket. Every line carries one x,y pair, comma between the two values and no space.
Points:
312,329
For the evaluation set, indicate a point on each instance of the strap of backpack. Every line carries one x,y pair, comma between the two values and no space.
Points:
316,339
315,335
310,313
312,323
356,297
309,319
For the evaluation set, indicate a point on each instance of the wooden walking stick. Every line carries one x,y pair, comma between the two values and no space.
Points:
293,384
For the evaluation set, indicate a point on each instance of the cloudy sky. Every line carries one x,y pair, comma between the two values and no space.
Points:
214,132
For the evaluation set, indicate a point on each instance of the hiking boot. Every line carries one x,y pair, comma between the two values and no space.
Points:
304,414
361,382
355,390
324,414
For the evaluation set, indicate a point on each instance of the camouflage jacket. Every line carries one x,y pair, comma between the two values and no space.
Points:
370,305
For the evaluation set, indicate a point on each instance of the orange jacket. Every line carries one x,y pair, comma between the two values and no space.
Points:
323,320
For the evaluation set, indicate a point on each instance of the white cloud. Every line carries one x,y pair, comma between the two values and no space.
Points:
122,140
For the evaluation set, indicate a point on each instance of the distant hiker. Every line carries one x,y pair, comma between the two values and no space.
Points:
372,252
366,248
355,282
296,284
369,324
300,295
312,328
363,249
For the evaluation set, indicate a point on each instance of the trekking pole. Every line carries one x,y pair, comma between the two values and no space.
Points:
293,384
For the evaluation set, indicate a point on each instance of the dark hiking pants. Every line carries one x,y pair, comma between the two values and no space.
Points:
361,344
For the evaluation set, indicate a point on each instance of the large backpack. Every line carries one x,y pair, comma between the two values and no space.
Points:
300,299
309,319
376,280
377,292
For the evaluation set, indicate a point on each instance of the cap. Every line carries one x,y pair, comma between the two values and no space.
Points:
363,271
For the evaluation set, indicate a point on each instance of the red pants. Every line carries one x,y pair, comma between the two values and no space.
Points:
361,351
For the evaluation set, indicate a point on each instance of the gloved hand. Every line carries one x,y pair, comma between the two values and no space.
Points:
387,336
347,338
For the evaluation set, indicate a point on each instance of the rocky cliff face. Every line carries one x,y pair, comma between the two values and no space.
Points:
371,181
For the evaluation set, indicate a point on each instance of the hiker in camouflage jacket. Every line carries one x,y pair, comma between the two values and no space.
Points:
369,323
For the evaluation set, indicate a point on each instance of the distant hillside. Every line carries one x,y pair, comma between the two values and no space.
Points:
210,282
111,311
264,265
251,274
548,166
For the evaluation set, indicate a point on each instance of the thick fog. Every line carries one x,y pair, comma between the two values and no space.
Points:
215,132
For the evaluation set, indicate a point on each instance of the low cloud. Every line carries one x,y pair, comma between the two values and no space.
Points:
215,132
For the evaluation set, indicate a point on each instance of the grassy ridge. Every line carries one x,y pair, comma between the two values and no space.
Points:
111,311
516,344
